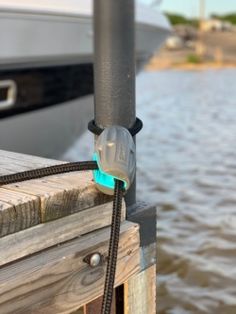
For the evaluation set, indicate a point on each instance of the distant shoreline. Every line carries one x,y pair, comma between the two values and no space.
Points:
189,66
215,50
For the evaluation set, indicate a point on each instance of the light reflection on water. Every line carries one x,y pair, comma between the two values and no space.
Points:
187,166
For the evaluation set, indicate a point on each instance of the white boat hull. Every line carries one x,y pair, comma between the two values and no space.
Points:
34,34
47,132
55,33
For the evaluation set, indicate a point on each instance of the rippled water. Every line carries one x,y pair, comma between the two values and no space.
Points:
187,167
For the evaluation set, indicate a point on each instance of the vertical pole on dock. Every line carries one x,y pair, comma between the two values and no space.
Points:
114,67
114,76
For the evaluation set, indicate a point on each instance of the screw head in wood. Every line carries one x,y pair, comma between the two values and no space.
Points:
93,259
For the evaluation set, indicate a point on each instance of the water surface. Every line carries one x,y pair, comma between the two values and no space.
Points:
187,167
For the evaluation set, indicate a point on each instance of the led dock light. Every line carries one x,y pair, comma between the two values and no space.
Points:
115,156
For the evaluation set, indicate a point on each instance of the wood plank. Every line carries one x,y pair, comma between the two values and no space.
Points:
79,311
35,239
58,281
11,162
140,293
17,211
44,199
95,306
63,194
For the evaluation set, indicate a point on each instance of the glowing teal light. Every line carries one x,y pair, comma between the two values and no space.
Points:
102,178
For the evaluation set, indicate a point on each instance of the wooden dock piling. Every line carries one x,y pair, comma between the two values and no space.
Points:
47,228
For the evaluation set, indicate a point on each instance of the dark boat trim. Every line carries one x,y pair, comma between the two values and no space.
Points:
47,86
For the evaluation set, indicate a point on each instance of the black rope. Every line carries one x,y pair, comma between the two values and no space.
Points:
48,171
95,129
113,248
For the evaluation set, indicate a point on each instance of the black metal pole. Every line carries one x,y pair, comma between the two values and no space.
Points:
114,66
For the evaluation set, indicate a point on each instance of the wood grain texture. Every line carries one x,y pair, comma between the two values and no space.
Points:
79,311
17,211
140,293
11,162
42,236
95,306
58,281
25,204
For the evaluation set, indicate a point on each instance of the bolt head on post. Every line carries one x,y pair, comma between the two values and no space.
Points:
93,260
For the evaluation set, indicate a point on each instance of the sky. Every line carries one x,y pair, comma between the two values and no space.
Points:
191,7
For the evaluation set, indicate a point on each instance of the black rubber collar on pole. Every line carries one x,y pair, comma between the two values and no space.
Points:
138,125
